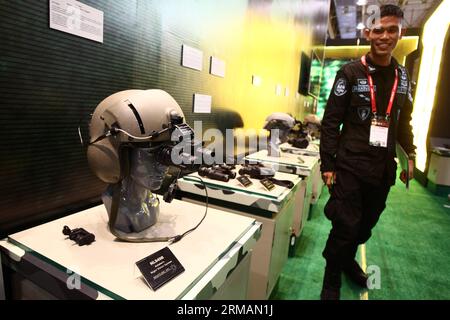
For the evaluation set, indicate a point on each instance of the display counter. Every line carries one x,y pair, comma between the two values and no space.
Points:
313,150
274,209
306,167
43,263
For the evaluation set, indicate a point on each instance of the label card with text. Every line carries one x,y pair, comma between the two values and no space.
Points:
76,18
379,133
159,268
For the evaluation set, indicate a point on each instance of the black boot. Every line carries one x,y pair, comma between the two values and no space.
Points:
356,274
331,283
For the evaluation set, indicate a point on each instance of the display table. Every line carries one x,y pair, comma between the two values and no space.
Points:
313,150
216,256
304,166
289,163
274,209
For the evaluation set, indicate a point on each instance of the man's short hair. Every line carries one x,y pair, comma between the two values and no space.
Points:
391,10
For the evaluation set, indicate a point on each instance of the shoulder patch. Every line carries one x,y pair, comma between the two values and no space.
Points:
403,73
341,87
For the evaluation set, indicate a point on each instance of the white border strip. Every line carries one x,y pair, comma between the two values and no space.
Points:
364,295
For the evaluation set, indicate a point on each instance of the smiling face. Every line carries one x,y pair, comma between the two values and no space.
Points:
384,36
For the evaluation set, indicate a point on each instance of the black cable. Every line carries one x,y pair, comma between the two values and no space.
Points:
172,240
179,237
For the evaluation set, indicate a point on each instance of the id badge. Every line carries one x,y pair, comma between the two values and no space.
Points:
379,132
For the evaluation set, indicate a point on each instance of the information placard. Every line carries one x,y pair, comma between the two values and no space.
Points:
218,67
202,103
192,58
76,18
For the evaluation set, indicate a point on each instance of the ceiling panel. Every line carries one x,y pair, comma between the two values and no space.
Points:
348,14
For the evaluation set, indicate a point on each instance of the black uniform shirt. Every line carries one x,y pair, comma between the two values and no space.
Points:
349,105
383,79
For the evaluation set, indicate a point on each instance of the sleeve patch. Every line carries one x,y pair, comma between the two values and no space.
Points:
341,87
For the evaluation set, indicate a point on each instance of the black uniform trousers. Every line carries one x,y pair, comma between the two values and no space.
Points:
354,209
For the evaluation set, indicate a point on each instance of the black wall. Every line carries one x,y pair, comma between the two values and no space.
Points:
50,82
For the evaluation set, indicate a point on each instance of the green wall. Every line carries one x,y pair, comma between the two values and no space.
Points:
330,68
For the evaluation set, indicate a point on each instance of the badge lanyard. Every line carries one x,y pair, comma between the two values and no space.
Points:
372,91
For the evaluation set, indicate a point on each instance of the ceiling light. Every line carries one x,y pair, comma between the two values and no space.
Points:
360,26
361,2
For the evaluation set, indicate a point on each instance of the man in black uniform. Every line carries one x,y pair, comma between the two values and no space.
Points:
372,100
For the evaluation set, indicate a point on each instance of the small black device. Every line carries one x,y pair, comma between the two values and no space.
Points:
265,174
299,142
227,169
171,192
245,181
213,174
79,235
184,149
221,172
257,172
